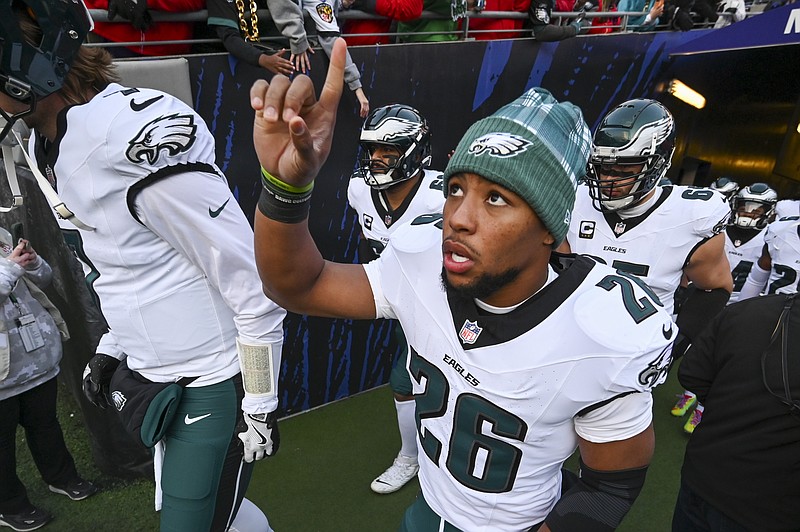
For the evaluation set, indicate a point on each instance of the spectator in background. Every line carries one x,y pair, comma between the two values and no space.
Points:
741,470
734,9
648,22
490,29
428,29
227,19
31,329
140,26
540,14
394,10
323,13
689,13
604,25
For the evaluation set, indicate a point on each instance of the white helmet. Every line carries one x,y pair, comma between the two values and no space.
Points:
750,198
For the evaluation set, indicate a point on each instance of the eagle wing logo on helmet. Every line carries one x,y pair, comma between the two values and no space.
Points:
393,128
499,145
173,133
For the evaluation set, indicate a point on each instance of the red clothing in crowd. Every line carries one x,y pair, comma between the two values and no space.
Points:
122,31
497,24
400,10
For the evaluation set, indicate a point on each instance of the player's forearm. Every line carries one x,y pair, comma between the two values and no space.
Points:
288,261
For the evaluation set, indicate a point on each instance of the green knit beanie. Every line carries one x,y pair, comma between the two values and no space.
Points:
537,148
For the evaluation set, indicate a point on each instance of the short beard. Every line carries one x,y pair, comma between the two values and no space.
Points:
484,286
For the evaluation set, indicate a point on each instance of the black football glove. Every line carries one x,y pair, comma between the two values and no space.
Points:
133,10
97,377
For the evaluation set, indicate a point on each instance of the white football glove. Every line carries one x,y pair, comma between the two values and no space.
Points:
261,437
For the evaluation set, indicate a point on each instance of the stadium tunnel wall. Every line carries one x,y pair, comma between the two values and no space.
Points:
453,85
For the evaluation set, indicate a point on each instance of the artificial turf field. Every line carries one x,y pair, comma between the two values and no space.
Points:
319,480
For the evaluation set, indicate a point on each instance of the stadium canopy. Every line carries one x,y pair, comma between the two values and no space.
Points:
776,27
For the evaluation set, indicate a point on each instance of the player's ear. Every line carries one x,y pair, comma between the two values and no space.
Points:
549,239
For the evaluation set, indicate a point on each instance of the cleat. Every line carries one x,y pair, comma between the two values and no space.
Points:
77,490
683,405
29,520
399,473
690,425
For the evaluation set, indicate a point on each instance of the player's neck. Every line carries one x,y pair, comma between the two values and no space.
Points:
398,193
641,207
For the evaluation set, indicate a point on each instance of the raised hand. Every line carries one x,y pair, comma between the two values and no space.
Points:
293,130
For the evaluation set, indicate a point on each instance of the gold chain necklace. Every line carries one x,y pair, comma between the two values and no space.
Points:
250,33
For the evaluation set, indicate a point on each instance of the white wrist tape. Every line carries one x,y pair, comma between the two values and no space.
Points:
258,372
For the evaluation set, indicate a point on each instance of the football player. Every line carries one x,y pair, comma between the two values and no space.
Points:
656,233
751,210
164,246
514,362
725,186
392,187
778,268
787,207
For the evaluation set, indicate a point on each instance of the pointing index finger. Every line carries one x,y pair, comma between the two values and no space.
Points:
334,81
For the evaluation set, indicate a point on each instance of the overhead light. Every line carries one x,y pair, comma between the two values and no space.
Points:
798,127
686,94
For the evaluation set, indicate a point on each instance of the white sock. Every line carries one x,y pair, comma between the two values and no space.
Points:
687,393
408,427
250,518
699,408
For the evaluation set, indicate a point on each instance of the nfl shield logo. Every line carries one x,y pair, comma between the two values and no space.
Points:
619,228
470,332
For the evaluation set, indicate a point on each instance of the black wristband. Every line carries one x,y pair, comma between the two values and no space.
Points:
282,202
283,209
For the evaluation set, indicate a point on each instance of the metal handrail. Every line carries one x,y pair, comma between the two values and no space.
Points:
101,15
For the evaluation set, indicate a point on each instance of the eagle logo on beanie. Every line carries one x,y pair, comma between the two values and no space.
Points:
499,145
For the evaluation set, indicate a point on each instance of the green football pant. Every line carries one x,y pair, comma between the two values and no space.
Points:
204,477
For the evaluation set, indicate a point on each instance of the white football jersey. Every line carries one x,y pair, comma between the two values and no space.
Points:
377,219
656,245
742,254
786,208
171,258
497,396
783,242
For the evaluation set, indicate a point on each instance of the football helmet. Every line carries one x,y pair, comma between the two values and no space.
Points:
746,202
403,128
31,71
635,133
726,186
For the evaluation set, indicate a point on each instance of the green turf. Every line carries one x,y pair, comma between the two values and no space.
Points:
319,481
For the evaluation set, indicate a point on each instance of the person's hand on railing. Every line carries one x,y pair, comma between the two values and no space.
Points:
133,10
301,62
275,63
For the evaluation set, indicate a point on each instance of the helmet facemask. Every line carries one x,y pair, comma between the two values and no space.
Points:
758,201
402,128
637,132
383,172
602,190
